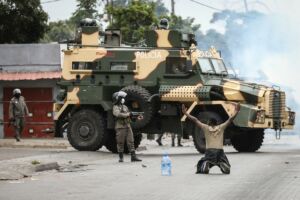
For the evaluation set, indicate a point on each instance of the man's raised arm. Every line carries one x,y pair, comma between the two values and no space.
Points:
192,118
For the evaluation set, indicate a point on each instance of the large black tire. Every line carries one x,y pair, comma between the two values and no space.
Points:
198,136
86,130
111,143
137,101
247,140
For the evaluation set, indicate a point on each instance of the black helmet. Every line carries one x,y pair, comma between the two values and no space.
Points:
164,23
117,96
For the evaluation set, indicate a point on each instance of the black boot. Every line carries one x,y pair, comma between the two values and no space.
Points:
179,142
173,142
17,135
158,140
134,158
121,157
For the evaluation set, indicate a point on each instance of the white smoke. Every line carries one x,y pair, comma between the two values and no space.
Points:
271,46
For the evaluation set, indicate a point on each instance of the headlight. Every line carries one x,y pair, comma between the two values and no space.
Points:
291,118
260,116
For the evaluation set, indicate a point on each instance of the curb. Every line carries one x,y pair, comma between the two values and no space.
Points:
26,143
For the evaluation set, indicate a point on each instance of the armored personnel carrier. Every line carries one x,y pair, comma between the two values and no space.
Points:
159,76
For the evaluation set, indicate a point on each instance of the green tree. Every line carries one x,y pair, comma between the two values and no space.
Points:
160,8
59,31
133,20
22,21
135,17
85,9
184,25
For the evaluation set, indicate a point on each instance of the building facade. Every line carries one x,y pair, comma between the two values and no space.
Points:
35,69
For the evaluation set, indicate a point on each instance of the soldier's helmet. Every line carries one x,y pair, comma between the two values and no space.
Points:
163,24
16,91
117,96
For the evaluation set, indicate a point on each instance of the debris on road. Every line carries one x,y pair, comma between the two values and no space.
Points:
73,168
16,171
46,166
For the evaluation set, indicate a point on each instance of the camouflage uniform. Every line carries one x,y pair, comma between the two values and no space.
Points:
123,128
17,111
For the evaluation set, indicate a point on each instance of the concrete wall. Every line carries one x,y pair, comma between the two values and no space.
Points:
25,84
30,57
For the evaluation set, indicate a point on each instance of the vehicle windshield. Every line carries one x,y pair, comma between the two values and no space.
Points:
219,66
212,66
205,65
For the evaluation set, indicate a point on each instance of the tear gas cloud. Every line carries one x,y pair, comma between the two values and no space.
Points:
270,48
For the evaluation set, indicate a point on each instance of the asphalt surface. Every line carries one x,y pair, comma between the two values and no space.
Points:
272,173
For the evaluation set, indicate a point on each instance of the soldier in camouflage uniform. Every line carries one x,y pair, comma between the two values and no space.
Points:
17,112
214,135
122,126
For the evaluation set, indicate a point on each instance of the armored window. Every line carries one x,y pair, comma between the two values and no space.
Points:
175,65
122,66
86,65
219,66
205,65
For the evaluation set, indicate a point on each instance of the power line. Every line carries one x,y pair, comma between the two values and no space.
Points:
206,5
50,1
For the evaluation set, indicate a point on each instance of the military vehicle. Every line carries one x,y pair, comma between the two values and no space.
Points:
159,76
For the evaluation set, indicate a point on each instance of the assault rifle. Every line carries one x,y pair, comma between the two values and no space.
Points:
135,115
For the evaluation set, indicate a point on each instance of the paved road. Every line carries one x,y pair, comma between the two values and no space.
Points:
272,173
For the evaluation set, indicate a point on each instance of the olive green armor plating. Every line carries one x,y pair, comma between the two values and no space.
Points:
167,70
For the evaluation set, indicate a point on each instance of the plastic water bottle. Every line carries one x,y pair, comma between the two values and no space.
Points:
166,165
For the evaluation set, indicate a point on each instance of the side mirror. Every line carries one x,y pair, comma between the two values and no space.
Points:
189,66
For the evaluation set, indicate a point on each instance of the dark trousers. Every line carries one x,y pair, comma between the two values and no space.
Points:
213,157
122,135
19,124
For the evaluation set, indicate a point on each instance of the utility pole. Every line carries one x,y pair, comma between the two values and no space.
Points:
246,6
173,7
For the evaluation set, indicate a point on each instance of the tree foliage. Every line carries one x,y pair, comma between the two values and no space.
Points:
184,25
22,21
138,16
133,20
59,31
85,9
64,30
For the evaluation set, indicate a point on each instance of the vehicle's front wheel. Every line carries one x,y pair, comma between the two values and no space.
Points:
86,130
247,140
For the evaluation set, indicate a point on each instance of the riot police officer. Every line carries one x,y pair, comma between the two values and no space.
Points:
122,126
17,112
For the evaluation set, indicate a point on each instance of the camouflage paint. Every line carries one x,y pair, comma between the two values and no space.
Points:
95,87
